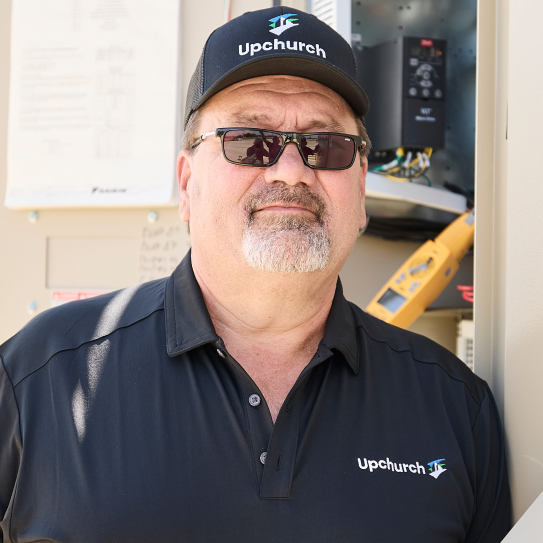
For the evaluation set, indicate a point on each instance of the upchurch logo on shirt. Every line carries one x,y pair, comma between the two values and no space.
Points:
435,466
282,22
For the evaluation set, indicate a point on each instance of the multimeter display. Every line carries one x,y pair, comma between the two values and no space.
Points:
420,279
391,300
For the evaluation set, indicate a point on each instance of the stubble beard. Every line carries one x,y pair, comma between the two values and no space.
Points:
282,243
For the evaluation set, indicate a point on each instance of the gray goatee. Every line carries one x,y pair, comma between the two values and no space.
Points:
287,244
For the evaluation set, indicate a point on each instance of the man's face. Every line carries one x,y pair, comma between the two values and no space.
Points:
283,218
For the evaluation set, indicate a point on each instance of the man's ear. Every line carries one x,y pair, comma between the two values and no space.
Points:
362,182
183,177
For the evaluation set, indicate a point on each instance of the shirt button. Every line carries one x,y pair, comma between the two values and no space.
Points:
220,353
263,457
254,400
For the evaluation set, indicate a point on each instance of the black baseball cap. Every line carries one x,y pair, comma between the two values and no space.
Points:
275,41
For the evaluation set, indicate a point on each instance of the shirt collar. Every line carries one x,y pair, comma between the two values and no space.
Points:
188,324
340,331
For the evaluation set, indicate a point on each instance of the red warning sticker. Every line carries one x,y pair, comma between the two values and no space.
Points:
59,297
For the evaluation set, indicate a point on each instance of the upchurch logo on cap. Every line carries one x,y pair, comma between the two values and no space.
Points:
275,41
282,22
278,25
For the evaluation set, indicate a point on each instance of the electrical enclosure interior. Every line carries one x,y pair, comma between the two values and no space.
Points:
378,22
385,37
405,79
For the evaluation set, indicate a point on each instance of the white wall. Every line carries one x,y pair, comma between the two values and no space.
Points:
509,230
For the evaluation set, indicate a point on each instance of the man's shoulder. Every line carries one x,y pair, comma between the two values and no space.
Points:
423,351
73,324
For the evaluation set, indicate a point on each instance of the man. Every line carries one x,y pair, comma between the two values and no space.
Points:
274,146
243,397
256,153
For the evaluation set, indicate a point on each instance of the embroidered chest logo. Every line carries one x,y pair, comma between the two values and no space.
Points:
282,22
435,468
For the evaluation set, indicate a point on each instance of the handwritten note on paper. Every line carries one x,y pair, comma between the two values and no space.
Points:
162,248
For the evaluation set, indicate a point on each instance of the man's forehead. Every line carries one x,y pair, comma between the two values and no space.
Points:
263,120
280,82
254,102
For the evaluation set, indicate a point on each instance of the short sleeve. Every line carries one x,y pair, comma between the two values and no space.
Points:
493,514
10,443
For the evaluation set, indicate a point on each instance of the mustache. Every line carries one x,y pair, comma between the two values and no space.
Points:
301,196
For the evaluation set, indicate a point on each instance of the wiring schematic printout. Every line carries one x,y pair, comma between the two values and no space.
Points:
94,109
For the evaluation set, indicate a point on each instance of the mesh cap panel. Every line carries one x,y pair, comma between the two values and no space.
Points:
196,88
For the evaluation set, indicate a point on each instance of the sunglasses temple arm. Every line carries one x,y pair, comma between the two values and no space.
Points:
201,139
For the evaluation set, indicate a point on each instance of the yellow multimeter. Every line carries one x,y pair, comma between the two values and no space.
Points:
425,274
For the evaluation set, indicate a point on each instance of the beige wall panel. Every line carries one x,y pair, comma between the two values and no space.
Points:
438,327
198,20
299,5
239,7
101,249
102,262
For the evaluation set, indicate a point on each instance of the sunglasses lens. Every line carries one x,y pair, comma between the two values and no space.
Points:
260,147
251,146
328,151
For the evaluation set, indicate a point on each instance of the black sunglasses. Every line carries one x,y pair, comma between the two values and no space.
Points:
261,148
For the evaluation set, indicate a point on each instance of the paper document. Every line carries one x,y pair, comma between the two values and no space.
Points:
94,109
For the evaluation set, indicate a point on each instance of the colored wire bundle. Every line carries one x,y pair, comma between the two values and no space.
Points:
406,167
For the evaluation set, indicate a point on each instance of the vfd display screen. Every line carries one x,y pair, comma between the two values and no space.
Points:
426,52
391,300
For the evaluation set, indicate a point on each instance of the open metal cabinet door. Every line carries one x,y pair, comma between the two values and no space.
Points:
529,529
336,13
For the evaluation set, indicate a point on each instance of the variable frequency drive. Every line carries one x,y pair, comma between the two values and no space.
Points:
405,80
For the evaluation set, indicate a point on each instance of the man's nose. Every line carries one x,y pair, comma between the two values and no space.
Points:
290,168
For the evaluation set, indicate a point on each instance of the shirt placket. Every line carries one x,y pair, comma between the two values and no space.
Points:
274,448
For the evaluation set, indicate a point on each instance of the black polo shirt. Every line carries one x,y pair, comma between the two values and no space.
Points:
124,419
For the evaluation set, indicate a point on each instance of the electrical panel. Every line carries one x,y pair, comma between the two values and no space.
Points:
405,80
464,342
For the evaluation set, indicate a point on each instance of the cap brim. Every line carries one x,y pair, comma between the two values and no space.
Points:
295,65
